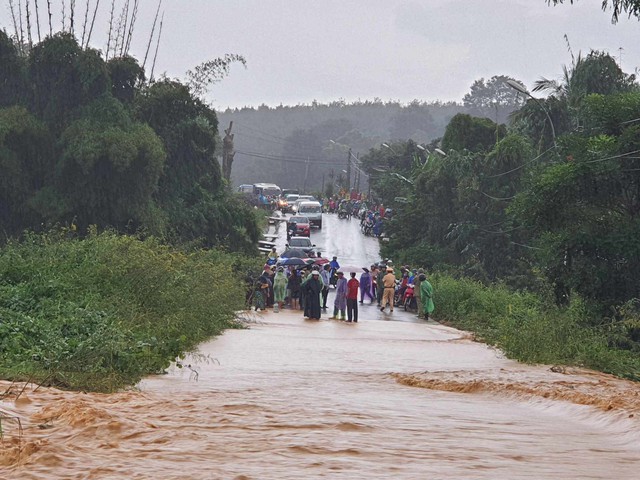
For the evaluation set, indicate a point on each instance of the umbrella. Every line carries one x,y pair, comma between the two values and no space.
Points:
292,261
321,261
294,252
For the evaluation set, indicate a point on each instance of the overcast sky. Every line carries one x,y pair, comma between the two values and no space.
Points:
299,51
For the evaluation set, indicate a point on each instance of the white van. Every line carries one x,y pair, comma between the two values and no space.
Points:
311,210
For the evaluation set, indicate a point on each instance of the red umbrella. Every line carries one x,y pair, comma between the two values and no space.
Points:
321,261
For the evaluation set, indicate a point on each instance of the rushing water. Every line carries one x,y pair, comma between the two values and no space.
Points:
290,399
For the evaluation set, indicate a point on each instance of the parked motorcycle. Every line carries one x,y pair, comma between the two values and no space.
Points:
410,302
367,228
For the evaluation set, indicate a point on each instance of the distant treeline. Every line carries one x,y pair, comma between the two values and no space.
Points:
274,144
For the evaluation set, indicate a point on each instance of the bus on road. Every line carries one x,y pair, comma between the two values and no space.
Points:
266,189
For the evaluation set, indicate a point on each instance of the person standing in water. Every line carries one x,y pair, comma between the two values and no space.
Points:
416,290
279,289
389,285
353,286
426,296
325,274
262,291
340,302
380,285
294,286
365,285
313,288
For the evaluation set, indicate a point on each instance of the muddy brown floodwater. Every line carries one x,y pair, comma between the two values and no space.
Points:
388,398
292,399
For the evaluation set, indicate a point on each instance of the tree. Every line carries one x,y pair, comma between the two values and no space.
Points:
211,72
63,77
618,7
465,132
493,99
12,73
598,72
109,168
188,130
191,191
27,166
583,215
126,78
414,121
595,73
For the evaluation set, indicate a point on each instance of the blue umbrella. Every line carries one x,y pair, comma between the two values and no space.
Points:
292,261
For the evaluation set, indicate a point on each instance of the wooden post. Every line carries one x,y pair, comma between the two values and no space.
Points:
227,153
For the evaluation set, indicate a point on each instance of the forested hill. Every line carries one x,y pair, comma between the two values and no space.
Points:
274,144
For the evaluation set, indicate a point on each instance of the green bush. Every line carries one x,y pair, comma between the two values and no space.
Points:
102,312
531,328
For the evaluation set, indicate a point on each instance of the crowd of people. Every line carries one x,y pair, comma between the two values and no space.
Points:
307,289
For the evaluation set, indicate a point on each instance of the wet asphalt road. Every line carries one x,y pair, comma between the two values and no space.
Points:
343,238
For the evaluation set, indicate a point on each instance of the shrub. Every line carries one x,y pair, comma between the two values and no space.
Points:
531,328
101,312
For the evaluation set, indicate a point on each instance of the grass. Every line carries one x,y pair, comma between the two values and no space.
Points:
102,312
529,328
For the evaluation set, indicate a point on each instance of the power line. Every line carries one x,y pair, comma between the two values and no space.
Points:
523,165
258,138
611,158
300,160
497,198
285,141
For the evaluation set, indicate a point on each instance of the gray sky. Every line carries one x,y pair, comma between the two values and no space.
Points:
299,51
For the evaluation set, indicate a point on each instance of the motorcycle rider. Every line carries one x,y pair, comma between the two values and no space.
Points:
272,259
334,268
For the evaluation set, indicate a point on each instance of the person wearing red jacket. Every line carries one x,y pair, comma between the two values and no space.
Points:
353,285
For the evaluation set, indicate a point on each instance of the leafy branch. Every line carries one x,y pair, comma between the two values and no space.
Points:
212,72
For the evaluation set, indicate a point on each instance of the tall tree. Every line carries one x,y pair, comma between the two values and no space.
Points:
618,7
109,168
465,132
188,130
12,73
493,99
64,77
27,166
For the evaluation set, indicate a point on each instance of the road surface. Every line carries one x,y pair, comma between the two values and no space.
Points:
289,398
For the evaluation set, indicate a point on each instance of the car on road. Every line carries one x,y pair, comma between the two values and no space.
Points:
303,243
286,202
312,210
301,198
298,226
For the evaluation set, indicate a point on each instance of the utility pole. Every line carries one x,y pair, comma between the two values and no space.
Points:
349,172
306,174
227,153
358,173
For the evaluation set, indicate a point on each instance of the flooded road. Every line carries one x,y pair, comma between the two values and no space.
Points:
290,399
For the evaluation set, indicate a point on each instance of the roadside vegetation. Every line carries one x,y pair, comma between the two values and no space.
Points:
100,312
529,327
136,250
537,219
